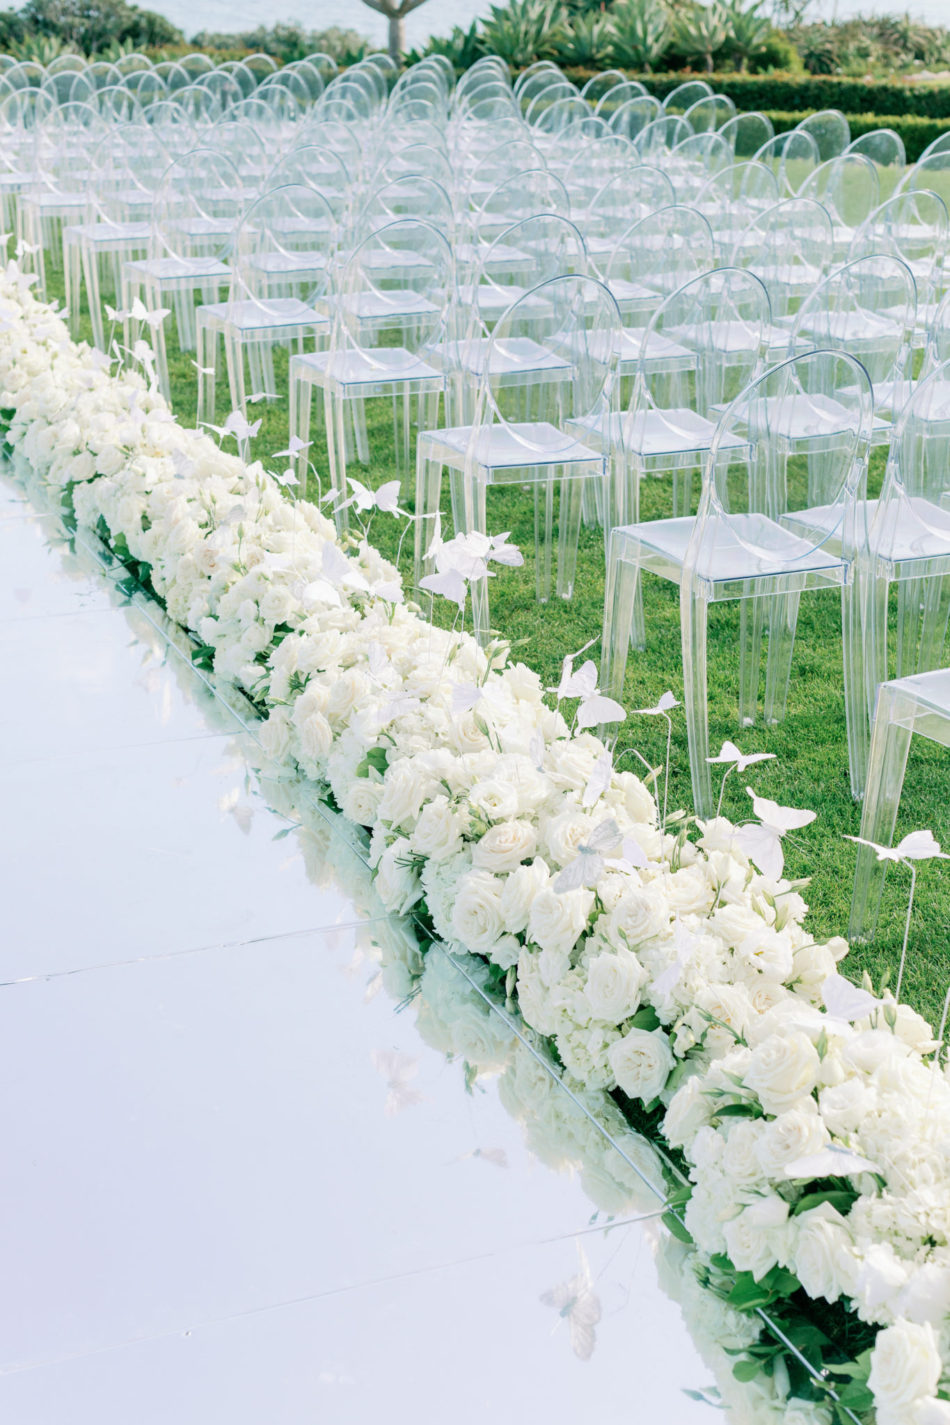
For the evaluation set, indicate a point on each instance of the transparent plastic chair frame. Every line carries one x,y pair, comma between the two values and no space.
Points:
752,556
351,370
918,704
279,274
542,449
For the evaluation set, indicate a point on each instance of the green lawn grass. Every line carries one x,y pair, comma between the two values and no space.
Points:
810,767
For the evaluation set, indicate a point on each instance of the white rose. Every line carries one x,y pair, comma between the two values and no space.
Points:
689,892
505,846
476,912
821,1256
690,1110
782,1070
397,884
360,802
110,460
641,1061
556,919
563,834
791,1135
275,735
495,797
740,1160
405,789
932,1412
518,894
277,604
905,1365
436,834
750,1248
315,736
613,985
844,1105
639,915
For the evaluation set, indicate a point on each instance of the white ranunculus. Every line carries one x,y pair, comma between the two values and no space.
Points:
517,896
557,918
642,1061
905,1366
782,1070
476,913
505,845
613,985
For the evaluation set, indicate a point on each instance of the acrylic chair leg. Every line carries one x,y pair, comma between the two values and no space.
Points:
751,620
910,594
568,535
783,621
543,536
90,265
334,414
887,762
620,597
301,393
854,652
875,656
359,430
693,622
428,500
72,272
205,354
934,626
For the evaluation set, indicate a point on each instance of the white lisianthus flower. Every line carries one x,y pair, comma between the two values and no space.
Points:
642,1061
905,1366
613,985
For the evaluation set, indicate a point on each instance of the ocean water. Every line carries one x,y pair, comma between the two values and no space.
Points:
435,16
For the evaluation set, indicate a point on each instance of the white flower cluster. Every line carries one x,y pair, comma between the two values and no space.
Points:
673,971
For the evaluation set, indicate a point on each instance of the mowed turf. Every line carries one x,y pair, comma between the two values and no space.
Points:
810,767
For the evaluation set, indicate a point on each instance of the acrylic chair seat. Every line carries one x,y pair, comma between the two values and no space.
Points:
382,367
525,445
917,704
751,548
660,432
917,529
251,316
370,307
189,270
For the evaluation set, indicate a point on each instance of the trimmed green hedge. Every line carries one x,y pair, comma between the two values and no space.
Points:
799,93
916,132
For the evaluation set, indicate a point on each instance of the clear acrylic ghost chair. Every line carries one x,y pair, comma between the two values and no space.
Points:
194,217
531,250
536,99
914,226
731,197
126,170
610,99
655,143
593,166
412,196
830,130
917,704
280,264
519,196
623,201
742,544
847,187
792,156
702,345
630,118
55,195
790,247
867,307
681,99
313,166
747,133
547,246
654,257
21,112
885,149
523,432
932,173
386,316
908,536
601,83
694,159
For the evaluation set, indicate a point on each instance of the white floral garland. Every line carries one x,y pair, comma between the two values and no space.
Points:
688,981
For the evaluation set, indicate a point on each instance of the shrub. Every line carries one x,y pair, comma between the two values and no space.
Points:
93,25
524,31
641,32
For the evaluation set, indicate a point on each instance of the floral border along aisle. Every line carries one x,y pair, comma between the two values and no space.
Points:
812,1119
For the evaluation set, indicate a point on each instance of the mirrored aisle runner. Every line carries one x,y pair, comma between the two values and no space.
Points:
236,1185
